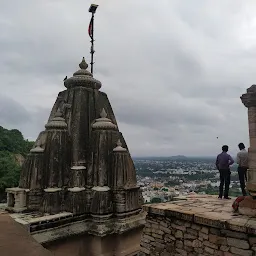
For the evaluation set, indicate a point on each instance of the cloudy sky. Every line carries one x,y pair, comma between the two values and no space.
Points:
173,70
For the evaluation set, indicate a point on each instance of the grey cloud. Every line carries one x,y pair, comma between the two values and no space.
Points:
12,113
173,71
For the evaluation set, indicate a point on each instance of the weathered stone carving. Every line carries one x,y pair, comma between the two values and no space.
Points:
80,163
249,100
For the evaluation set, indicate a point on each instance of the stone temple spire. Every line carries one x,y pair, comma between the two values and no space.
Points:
81,167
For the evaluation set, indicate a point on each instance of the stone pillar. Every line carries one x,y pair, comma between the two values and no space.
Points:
249,100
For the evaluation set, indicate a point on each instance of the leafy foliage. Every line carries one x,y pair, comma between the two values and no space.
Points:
156,200
12,143
9,170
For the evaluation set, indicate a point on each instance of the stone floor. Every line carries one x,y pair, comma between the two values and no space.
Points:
2,208
15,240
205,209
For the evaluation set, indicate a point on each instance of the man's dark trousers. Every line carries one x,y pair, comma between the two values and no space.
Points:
242,174
224,179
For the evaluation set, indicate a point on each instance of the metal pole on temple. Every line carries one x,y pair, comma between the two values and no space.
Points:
92,10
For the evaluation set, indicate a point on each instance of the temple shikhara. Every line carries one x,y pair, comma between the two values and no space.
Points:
79,178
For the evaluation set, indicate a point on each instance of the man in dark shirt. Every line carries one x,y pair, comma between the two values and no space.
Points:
223,161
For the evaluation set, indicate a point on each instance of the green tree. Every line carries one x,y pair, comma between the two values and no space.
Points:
156,200
12,143
9,171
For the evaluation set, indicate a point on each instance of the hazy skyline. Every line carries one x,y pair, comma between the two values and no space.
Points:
174,71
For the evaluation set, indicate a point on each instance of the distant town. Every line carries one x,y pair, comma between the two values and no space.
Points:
164,178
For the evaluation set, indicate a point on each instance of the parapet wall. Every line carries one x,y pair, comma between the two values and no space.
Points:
190,228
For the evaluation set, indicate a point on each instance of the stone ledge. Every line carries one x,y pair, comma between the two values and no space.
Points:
205,210
49,228
15,240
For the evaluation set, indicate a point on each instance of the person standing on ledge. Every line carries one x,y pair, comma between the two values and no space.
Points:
223,162
242,161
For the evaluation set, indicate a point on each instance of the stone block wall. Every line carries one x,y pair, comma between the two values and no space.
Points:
165,236
197,225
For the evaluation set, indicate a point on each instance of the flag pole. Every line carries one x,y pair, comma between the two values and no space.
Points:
92,9
92,43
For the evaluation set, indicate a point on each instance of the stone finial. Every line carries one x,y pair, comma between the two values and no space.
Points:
83,64
83,78
38,143
103,113
58,113
57,122
119,147
38,148
119,143
103,122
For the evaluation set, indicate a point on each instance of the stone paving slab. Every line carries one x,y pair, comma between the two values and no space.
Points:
206,210
35,217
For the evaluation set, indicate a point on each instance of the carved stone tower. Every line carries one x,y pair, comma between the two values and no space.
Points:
249,100
248,205
80,167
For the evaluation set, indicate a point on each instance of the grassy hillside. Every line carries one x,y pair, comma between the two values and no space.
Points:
13,148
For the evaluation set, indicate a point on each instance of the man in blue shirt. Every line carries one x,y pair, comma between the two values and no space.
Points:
223,162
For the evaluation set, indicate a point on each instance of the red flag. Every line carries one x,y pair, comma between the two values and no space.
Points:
90,28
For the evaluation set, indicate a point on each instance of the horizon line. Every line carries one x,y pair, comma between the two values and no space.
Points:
172,156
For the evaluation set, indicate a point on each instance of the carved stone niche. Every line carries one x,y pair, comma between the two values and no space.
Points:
51,202
17,199
101,211
34,198
119,201
75,201
77,176
101,203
